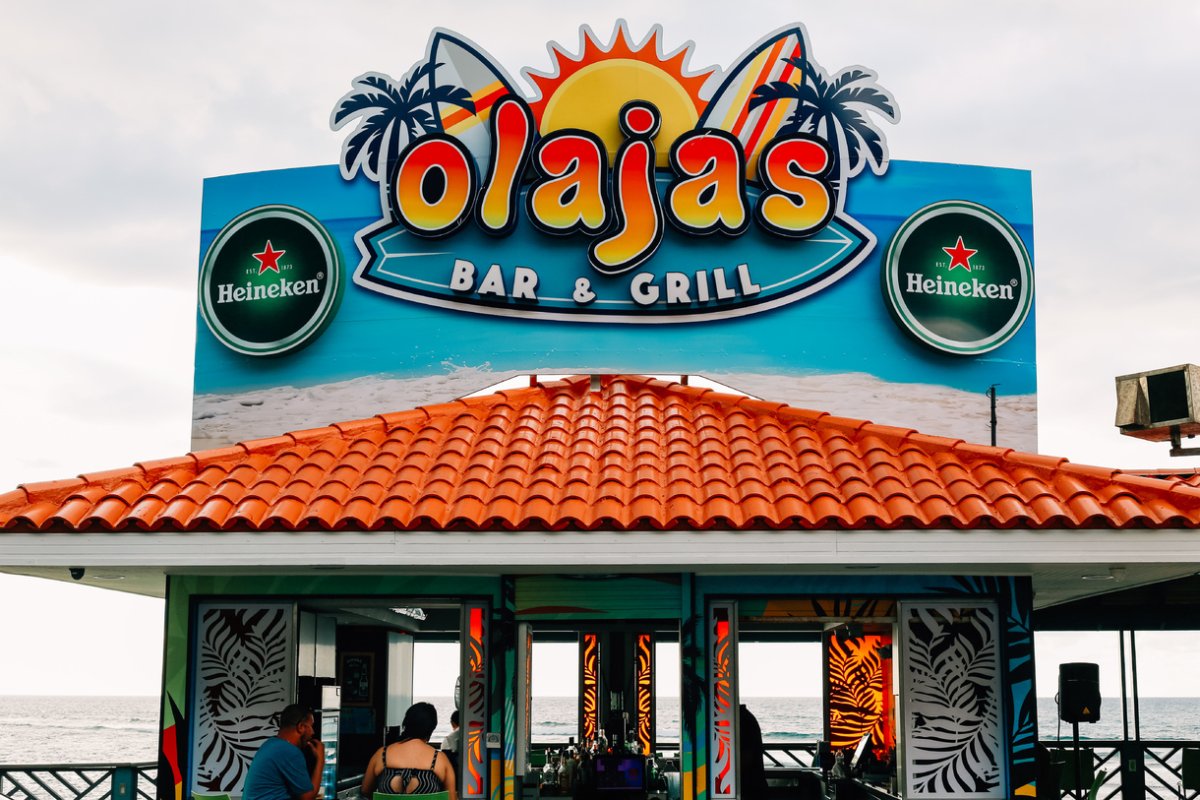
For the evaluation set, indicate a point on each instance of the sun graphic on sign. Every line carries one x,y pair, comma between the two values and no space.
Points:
588,90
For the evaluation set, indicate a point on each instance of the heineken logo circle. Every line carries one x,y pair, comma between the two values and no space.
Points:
958,278
270,282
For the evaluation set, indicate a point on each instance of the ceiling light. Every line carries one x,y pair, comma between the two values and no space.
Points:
415,613
1099,576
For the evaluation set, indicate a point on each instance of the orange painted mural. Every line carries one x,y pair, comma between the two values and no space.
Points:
645,693
589,660
858,680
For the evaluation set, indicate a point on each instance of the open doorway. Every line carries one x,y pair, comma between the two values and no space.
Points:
387,654
601,698
810,691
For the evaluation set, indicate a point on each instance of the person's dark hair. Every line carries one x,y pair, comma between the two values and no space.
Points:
419,722
293,715
454,718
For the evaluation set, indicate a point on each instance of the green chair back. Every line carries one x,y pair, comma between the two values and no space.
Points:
431,796
199,796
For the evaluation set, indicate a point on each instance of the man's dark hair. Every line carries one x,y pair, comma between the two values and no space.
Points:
454,718
419,722
293,715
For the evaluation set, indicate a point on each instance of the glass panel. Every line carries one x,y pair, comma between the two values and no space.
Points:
555,692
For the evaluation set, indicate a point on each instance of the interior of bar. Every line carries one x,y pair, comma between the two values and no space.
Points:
600,704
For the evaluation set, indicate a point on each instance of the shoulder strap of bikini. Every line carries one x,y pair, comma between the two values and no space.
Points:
433,764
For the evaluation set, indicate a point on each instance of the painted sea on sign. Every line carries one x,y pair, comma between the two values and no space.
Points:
78,730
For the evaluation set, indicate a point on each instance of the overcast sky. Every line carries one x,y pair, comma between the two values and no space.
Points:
113,114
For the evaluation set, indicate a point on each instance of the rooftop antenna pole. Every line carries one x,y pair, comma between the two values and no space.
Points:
991,393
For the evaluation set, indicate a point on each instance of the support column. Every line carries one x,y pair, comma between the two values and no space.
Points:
693,758
1133,756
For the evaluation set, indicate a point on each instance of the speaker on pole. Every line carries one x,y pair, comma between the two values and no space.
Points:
1079,692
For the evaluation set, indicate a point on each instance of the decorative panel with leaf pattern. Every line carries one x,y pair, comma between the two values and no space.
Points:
589,692
858,685
723,695
644,679
244,675
473,713
952,704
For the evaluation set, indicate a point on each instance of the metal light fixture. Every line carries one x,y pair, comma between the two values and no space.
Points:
415,613
1113,574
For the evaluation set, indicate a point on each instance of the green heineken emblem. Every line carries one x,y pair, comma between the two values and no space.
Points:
270,282
957,277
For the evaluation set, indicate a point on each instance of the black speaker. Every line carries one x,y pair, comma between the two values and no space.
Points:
1079,692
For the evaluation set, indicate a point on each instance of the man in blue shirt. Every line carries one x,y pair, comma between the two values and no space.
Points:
278,771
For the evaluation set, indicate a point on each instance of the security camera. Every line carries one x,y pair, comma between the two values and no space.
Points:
76,573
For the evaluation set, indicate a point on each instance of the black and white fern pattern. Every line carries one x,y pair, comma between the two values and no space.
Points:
952,702
243,679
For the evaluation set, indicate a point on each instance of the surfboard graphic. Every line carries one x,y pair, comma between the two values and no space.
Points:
729,109
462,63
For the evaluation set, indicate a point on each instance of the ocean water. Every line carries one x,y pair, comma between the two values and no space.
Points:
110,730
78,730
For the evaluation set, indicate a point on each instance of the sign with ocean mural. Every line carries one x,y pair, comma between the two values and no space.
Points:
617,210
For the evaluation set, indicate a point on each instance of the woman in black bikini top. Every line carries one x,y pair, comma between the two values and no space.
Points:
393,769
407,780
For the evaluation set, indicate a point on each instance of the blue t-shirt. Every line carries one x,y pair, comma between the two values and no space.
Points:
277,772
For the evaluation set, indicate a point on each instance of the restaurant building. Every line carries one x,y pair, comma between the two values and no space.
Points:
634,217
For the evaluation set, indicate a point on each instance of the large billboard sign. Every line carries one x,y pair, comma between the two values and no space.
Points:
617,211
666,206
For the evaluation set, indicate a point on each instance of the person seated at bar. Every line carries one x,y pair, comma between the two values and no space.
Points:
750,754
411,765
278,771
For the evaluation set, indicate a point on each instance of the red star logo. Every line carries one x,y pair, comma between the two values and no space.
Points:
960,255
269,258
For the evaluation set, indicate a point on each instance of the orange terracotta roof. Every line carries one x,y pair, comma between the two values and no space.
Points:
1189,476
637,454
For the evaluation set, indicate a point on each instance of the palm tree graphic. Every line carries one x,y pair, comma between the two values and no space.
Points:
836,110
390,116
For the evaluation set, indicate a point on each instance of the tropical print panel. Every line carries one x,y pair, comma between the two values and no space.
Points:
952,701
645,692
589,695
723,693
244,664
474,701
1020,708
858,677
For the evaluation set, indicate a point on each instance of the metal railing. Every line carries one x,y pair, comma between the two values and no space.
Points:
789,756
78,781
1145,769
1157,772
